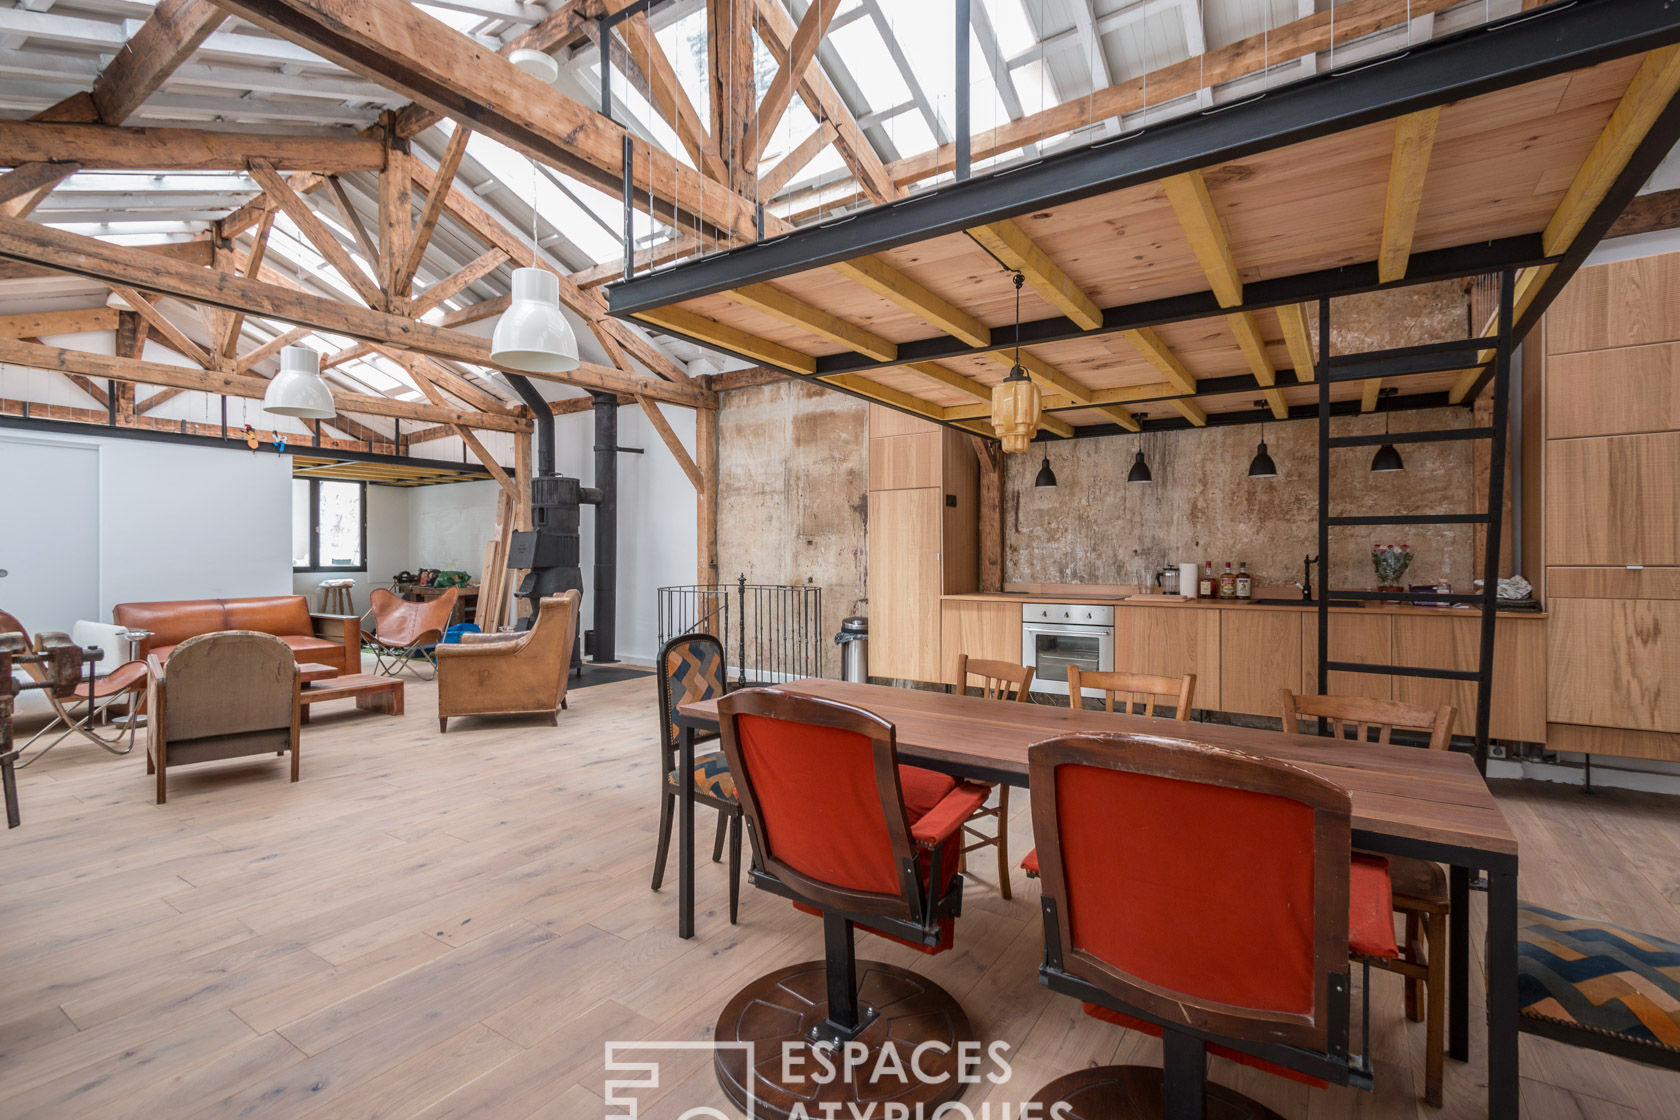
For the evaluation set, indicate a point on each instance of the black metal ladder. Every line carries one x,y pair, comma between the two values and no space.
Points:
1405,362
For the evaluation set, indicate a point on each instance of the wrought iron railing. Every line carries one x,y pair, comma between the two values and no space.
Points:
770,632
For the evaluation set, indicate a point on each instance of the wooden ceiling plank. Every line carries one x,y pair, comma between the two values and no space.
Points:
1414,139
1009,243
802,49
101,147
316,231
1193,205
1292,321
672,443
730,338
791,309
886,281
435,199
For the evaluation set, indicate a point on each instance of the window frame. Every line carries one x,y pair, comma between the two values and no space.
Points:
315,564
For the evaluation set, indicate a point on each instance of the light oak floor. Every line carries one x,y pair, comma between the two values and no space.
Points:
454,925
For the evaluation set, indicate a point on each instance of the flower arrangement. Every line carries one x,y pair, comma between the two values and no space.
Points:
1391,562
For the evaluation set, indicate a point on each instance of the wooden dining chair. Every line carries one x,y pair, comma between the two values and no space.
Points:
1420,886
1143,689
997,680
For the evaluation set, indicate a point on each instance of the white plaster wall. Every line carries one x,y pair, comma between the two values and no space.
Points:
388,548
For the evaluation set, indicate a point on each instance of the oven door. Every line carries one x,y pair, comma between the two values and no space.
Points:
1051,649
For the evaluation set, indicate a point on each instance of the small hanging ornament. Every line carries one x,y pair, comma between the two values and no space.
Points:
251,439
279,443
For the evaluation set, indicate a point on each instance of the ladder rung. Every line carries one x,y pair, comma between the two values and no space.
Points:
1413,519
1402,671
1407,596
1438,435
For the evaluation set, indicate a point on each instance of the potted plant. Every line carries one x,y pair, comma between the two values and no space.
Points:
1391,562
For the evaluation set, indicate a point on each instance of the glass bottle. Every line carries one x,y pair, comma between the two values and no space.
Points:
1206,589
1245,586
1228,583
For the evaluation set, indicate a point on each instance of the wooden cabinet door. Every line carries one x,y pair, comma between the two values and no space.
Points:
1366,639
904,583
1615,663
979,629
1259,653
1613,500
1171,641
1454,642
1613,392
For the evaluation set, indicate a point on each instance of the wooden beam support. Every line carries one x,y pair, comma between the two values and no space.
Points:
34,323
316,231
1160,355
270,348
672,443
1009,243
670,98
110,367
889,283
1414,138
227,342
26,180
770,183
100,147
449,287
175,336
171,33
421,368
730,338
807,316
1648,213
1193,206
1246,327
1292,321
706,496
435,199
352,220
951,379
885,394
396,215
802,49
990,456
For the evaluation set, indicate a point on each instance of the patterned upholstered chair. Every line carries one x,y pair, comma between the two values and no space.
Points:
691,667
841,829
1231,935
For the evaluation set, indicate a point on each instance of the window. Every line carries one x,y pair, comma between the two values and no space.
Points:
329,525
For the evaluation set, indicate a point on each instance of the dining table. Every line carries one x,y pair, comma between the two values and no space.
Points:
1406,801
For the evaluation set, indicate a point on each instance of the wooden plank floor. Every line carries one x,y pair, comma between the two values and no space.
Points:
453,926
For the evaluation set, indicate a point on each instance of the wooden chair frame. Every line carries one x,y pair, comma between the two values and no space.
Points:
1145,689
999,680
126,684
729,812
1315,1043
1423,951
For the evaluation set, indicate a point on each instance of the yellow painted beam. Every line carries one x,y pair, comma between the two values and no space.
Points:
1292,320
1193,205
952,379
1414,137
1047,375
1160,355
1190,410
791,309
886,394
1009,243
1369,392
730,338
889,283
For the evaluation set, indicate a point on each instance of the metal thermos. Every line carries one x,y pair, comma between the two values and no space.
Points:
853,641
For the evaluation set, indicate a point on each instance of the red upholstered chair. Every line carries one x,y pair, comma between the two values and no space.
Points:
839,827
1207,896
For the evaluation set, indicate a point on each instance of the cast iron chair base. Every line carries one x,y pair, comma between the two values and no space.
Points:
1135,1093
781,1010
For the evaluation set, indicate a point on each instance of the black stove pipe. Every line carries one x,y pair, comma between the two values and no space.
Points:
606,525
542,417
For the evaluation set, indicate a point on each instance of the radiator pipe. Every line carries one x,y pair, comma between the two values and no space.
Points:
542,418
606,525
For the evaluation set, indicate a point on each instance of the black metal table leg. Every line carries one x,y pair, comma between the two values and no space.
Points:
8,777
685,833
1458,967
1503,1082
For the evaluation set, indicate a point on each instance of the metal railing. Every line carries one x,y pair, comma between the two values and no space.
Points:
770,632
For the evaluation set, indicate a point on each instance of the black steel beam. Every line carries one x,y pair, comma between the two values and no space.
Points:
1523,48
1439,435
1176,423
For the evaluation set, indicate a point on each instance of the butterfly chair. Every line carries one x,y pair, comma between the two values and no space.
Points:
845,832
691,668
996,680
406,632
95,697
1420,886
1206,896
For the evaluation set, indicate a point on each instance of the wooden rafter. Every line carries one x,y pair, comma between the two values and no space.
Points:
32,323
422,368
1160,355
435,199
1009,243
26,179
325,241
1292,321
1053,379
1414,138
1193,206
952,379
161,324
396,213
352,220
770,183
886,281
672,443
670,98
801,51
100,147
450,286
777,303
268,349
730,338
227,342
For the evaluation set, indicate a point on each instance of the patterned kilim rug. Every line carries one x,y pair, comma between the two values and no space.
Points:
1618,987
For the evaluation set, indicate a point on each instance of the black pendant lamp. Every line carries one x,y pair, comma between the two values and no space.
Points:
1140,469
1261,466
1046,476
1387,457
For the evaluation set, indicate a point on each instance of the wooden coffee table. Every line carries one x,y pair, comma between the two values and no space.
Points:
371,692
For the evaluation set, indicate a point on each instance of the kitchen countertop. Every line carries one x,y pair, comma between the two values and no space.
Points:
1225,604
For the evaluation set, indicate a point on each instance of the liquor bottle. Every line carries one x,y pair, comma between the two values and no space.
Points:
1245,586
1228,583
1206,588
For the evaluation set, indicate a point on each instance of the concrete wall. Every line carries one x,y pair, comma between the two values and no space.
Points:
793,482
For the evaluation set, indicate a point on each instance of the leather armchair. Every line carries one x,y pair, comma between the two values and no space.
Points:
511,674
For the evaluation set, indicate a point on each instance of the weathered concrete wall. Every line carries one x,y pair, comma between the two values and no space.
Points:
793,479
1095,527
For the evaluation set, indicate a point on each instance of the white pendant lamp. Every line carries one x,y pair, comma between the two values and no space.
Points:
533,334
538,64
297,390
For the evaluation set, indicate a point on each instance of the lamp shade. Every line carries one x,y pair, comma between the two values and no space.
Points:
539,65
533,333
1015,410
297,390
1387,459
1140,470
1046,476
1262,466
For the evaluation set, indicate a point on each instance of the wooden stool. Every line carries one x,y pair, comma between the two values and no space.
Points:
336,597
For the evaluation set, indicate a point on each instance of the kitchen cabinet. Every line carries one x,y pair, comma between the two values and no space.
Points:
1170,641
1362,638
1613,499
1454,642
980,629
1259,653
1615,663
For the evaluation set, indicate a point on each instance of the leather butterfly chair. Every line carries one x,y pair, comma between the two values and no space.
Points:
844,831
1207,896
691,668
404,629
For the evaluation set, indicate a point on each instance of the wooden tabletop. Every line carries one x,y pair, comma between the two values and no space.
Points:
1433,796
309,672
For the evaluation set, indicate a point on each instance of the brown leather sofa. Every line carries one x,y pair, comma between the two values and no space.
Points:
321,639
511,674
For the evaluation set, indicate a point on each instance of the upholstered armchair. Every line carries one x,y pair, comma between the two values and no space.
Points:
224,695
511,674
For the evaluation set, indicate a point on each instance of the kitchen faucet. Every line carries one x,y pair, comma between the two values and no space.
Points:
1306,570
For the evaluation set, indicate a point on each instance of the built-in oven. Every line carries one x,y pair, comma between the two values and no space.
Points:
1056,635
